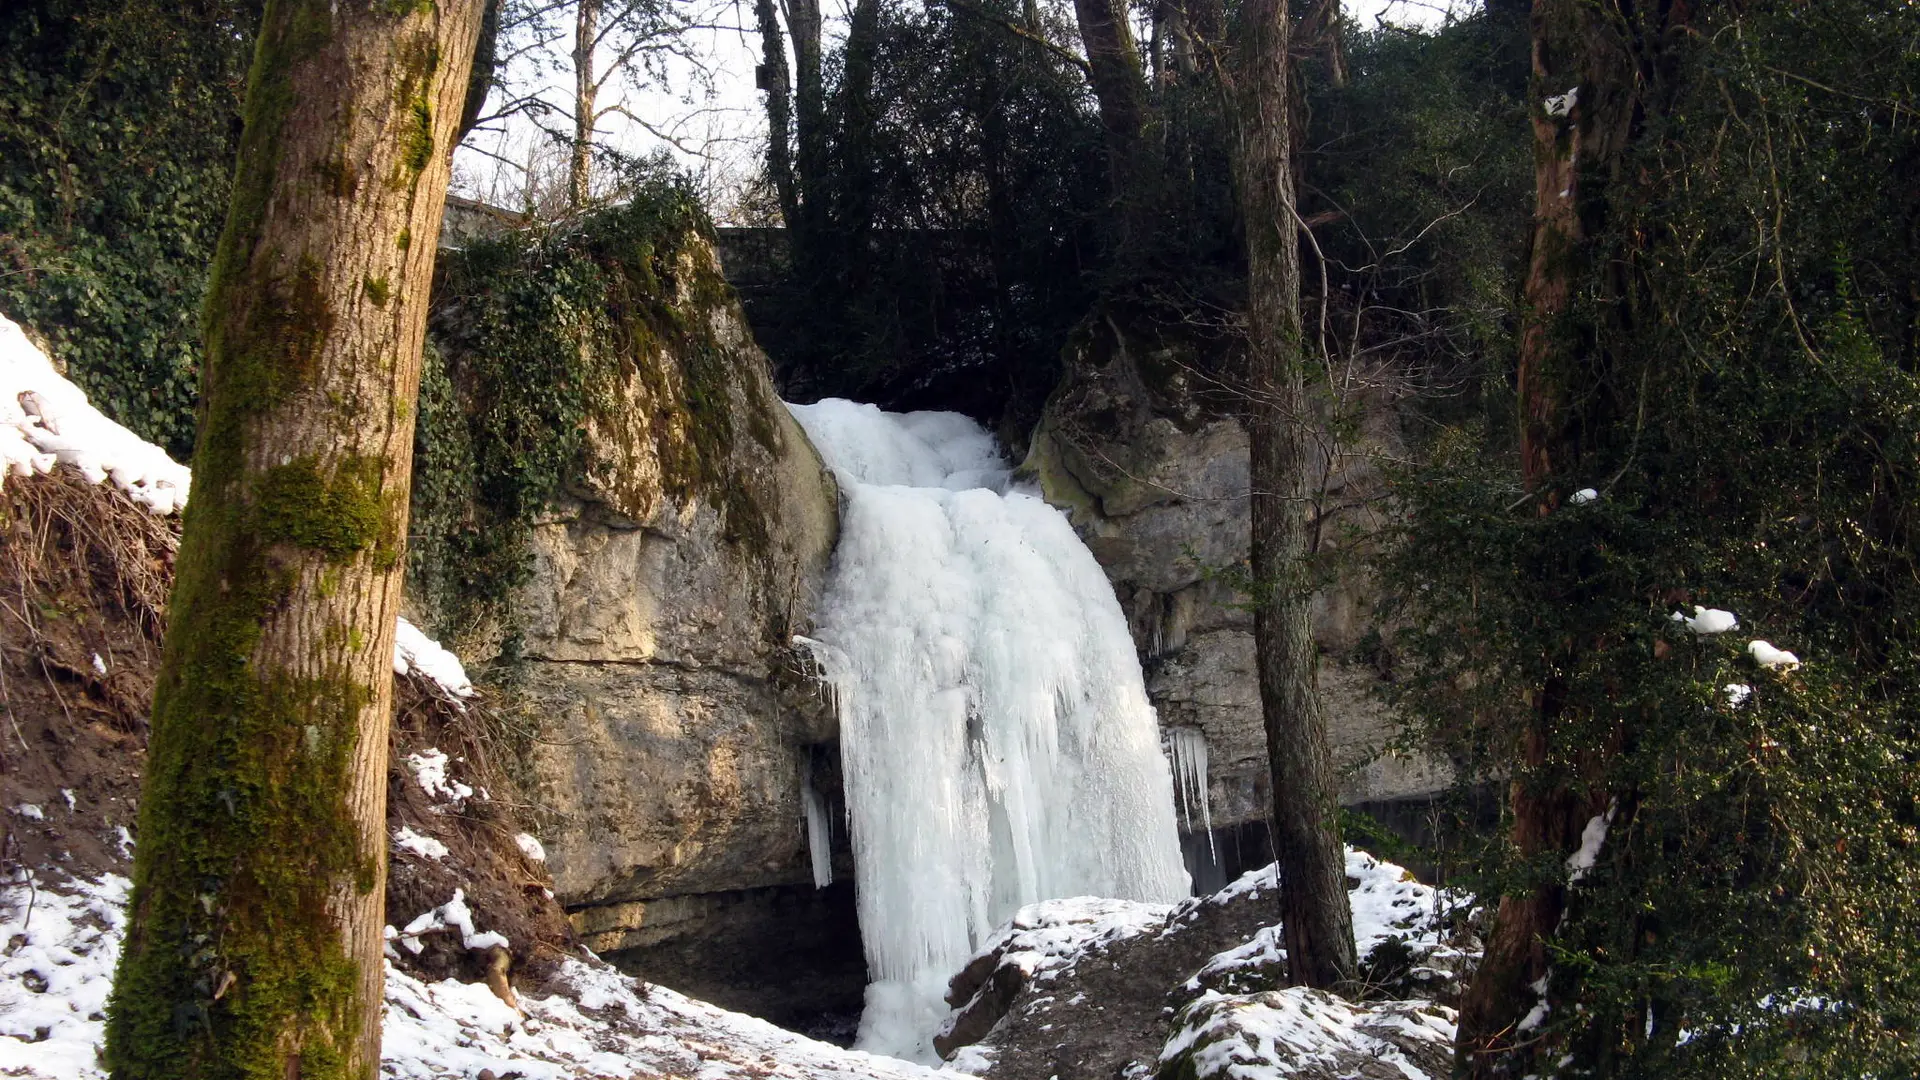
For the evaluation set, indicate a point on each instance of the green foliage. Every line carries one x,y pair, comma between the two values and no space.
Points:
118,126
951,258
534,331
1746,402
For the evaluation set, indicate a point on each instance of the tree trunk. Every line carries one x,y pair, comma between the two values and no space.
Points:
775,80
1119,85
586,93
254,940
810,122
1595,66
1318,923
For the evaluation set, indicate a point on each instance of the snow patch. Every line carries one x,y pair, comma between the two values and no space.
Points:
530,847
1771,658
424,846
1591,837
1706,620
430,769
44,420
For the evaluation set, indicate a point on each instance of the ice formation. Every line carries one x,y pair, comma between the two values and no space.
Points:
819,831
996,738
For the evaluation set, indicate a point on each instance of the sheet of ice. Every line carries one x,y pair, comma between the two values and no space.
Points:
996,739
45,419
819,833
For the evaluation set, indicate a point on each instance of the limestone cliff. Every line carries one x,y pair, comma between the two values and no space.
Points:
1140,445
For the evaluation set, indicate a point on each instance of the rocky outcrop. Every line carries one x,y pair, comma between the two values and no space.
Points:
672,725
1139,444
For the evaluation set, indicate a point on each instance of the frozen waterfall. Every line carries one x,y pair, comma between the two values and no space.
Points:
996,738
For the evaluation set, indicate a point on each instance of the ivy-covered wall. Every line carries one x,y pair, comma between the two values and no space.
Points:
546,344
118,126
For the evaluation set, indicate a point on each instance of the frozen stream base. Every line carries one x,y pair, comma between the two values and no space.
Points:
997,743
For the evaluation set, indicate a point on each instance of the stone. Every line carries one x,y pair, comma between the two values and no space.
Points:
1142,448
672,715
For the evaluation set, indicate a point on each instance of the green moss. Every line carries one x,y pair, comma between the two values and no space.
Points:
378,291
548,334
339,515
404,240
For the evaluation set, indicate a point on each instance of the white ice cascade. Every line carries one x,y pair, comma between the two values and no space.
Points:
996,740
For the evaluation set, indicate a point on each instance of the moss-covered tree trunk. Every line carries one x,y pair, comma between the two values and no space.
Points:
254,942
1318,923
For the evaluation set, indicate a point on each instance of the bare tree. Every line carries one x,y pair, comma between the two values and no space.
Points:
255,930
1318,923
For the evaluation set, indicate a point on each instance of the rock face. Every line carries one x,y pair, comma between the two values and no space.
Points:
674,725
1139,445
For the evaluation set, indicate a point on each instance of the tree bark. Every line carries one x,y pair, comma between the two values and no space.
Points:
254,944
1119,84
1317,920
776,81
810,122
1594,70
586,94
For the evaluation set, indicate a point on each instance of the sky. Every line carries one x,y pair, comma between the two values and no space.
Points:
708,115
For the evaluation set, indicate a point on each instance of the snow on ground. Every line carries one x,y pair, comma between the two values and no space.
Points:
1299,1031
56,971
60,946
45,419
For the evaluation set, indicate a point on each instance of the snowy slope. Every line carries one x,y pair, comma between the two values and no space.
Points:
56,973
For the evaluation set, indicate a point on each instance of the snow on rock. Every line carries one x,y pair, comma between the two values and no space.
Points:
1771,658
1706,620
1044,938
61,947
530,847
415,651
30,811
424,846
45,419
593,1022
1306,1032
997,743
430,769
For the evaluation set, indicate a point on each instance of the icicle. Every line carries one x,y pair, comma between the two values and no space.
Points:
1187,746
996,740
813,809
